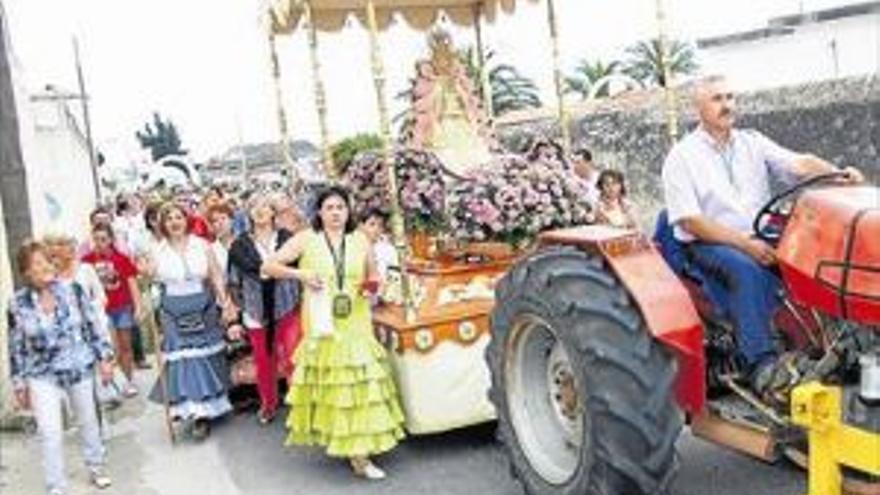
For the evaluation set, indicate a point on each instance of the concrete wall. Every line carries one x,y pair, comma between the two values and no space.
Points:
837,120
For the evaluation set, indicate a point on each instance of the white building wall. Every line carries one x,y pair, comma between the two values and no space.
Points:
818,51
59,172
55,155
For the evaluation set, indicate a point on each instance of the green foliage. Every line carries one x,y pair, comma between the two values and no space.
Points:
587,74
344,151
511,90
161,138
644,62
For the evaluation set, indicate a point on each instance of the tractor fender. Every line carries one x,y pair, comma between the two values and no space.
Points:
662,299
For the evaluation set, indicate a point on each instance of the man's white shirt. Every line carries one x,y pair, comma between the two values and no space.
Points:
728,183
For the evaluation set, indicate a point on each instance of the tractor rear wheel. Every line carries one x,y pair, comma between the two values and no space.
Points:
584,394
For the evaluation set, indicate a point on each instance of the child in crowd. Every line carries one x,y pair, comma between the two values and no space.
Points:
613,208
118,275
374,224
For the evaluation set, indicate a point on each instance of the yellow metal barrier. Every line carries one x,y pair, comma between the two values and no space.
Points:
832,442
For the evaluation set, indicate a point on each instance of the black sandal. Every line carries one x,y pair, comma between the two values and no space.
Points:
201,429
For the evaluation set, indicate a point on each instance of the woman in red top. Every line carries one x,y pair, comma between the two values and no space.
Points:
118,275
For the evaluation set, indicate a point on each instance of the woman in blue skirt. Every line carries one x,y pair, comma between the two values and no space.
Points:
192,296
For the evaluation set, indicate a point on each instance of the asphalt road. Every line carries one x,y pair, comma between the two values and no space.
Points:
243,458
469,461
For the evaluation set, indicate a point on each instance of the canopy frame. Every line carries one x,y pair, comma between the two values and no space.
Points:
329,15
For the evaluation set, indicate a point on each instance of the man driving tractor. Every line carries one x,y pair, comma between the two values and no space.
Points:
715,180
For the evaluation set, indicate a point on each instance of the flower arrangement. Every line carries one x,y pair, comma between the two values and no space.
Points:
422,190
512,200
419,178
367,181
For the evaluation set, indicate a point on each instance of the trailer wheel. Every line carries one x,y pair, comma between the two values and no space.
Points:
583,392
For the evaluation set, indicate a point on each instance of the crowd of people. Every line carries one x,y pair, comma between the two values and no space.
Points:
292,280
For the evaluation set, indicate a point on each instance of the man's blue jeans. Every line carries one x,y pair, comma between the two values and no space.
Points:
748,292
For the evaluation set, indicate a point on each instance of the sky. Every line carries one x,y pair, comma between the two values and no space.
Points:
205,63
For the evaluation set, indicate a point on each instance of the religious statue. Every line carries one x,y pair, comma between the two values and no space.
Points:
448,115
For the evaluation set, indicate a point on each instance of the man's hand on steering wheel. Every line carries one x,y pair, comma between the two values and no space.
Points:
853,175
773,211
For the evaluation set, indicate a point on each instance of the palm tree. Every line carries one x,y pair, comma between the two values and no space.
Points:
644,63
511,90
587,74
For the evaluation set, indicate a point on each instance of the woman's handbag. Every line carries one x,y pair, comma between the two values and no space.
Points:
192,312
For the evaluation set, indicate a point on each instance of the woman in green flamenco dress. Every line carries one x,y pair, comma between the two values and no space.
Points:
342,394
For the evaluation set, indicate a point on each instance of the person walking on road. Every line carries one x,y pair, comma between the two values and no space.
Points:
118,274
269,307
192,295
343,396
55,342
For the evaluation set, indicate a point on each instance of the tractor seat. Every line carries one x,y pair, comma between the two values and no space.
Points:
676,255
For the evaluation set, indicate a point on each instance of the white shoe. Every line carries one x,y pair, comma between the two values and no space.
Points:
366,469
100,478
130,391
372,472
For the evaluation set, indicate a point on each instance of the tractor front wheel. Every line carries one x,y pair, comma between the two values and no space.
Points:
583,392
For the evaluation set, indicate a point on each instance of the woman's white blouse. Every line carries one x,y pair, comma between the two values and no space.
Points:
183,273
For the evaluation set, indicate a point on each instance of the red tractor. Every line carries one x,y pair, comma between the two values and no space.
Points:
601,353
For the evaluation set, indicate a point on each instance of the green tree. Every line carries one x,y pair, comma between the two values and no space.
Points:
587,74
510,89
644,61
344,151
161,137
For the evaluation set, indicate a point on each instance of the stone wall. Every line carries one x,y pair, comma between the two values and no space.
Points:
837,120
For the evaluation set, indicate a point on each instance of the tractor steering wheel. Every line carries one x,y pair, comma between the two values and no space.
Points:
770,221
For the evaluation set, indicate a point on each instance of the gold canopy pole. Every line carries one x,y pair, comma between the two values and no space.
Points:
485,87
320,94
668,86
397,224
557,76
295,179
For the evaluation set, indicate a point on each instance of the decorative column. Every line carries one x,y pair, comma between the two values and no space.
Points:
295,179
668,86
320,94
397,223
485,86
564,120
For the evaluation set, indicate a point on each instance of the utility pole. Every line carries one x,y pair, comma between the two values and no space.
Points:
87,123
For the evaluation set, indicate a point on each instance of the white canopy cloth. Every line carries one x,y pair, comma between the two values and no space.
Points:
330,15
